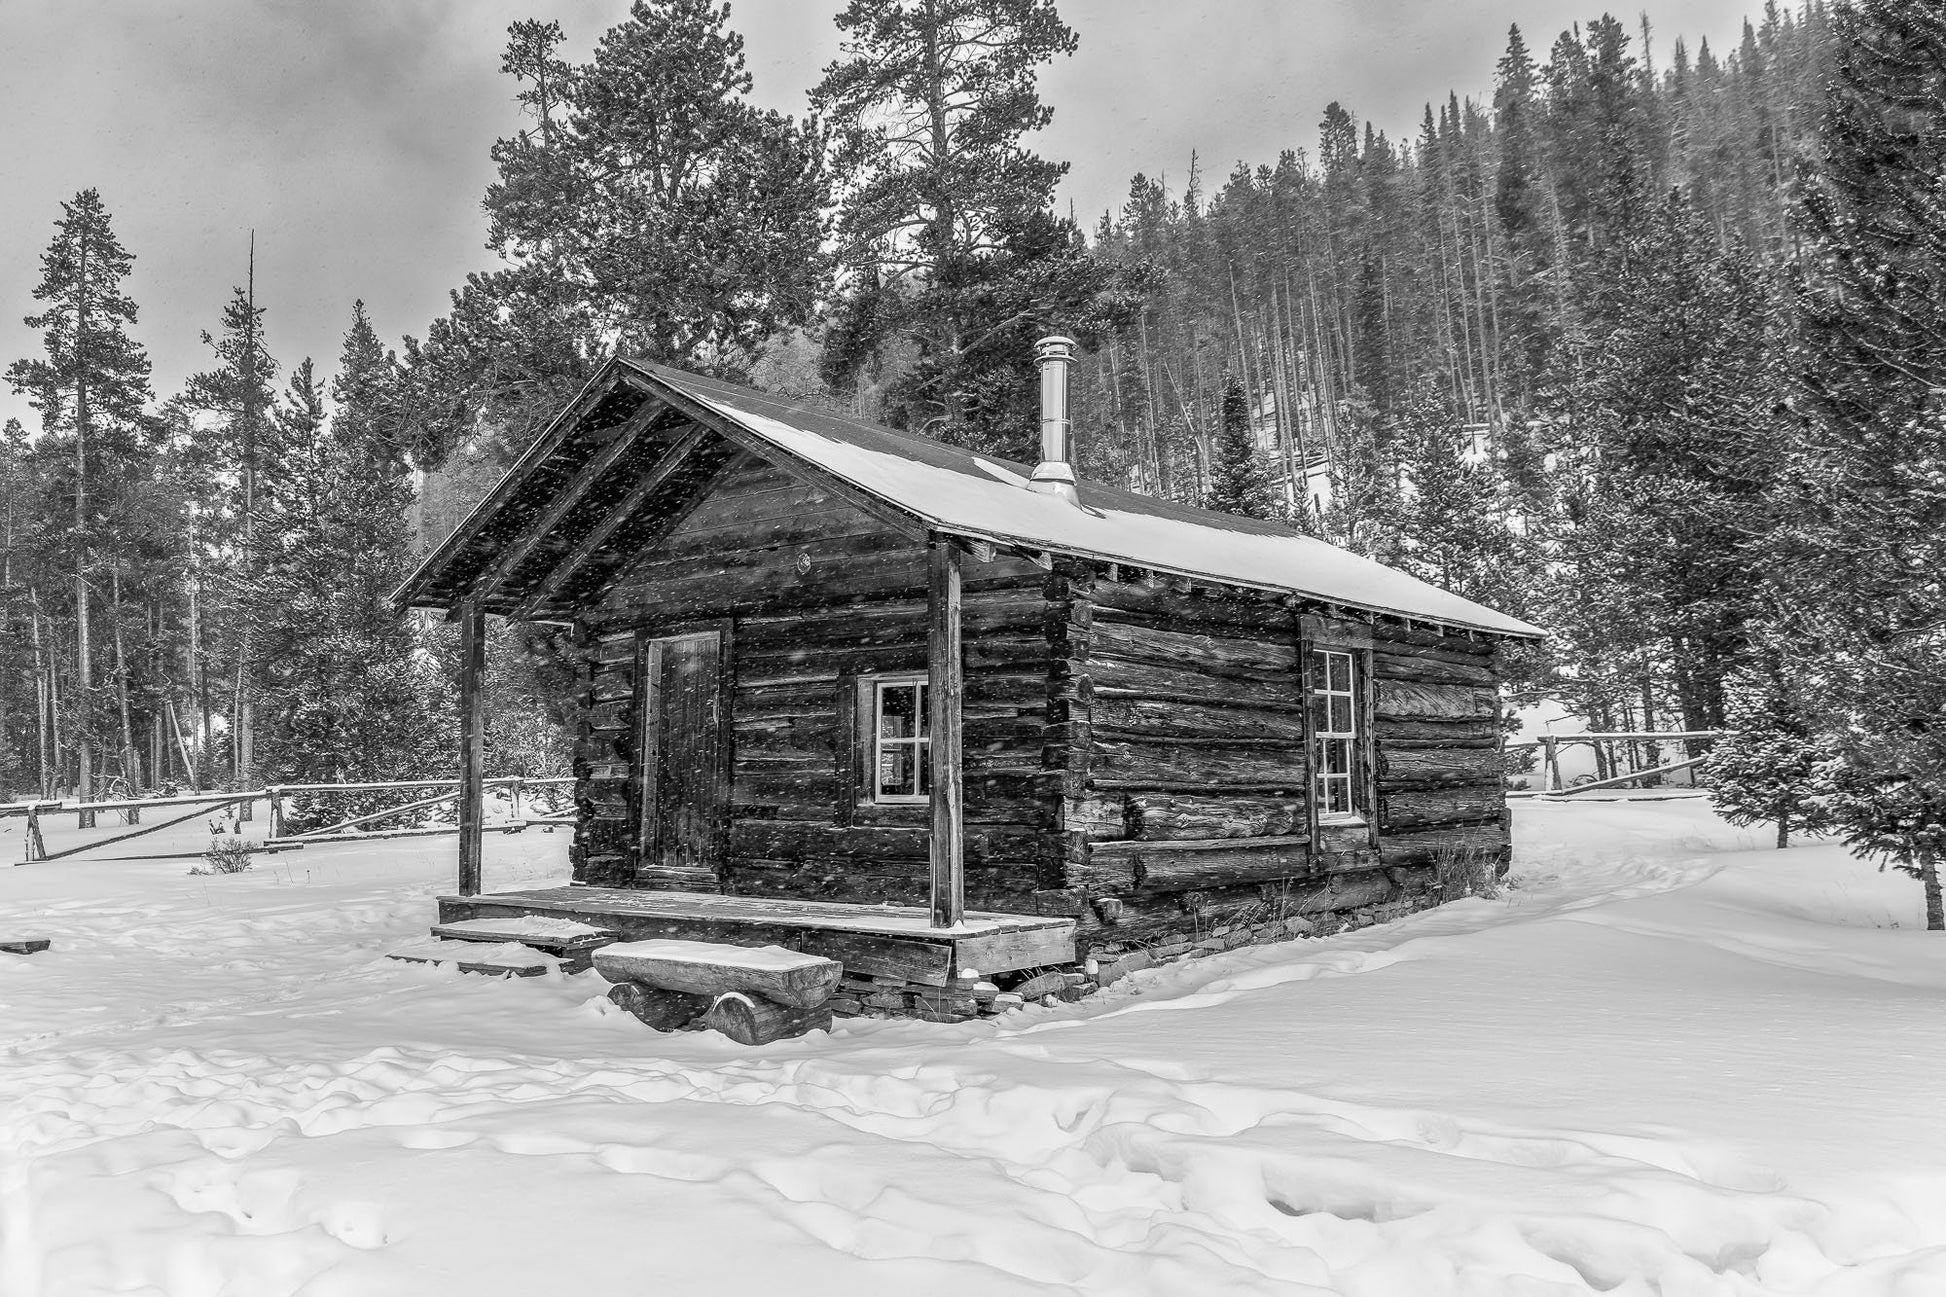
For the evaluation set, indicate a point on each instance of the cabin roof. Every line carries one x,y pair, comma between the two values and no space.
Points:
932,487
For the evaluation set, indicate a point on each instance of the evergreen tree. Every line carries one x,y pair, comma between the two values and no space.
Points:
1767,768
1866,545
1239,479
90,385
951,254
1454,534
343,692
649,209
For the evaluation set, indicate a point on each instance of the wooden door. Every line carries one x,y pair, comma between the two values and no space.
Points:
684,794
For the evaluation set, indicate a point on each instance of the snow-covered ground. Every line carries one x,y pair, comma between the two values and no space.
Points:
1667,1060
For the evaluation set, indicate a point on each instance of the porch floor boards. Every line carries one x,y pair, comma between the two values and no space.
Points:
883,940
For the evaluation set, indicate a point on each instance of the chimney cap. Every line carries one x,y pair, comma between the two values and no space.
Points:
1055,346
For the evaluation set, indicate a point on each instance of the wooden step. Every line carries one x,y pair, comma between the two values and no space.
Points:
24,945
571,940
506,959
710,968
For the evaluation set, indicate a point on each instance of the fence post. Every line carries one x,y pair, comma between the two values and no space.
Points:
1551,773
276,812
34,846
517,809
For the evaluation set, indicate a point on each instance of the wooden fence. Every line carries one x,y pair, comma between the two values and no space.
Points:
1550,746
517,787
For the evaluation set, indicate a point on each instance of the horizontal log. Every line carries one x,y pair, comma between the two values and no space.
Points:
1184,682
1443,846
1421,734
759,1022
1427,807
1445,766
1126,764
1143,643
1159,718
1163,817
1448,650
1411,700
1101,818
1147,867
1256,615
784,840
1389,666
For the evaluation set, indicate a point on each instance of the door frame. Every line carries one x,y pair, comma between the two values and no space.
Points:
648,707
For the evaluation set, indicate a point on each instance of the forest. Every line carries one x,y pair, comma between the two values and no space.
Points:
1646,347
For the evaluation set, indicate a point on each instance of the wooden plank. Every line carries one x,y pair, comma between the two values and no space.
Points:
472,739
25,945
1006,952
947,852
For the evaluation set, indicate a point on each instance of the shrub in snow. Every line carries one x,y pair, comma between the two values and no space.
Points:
1766,772
225,855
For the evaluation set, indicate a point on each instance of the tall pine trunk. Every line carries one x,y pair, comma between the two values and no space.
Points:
83,674
1929,879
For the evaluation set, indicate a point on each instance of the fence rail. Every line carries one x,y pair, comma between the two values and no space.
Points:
35,846
1551,744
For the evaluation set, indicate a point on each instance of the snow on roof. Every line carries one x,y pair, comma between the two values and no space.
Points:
957,492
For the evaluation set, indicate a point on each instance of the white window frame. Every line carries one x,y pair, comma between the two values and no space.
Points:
1350,779
920,742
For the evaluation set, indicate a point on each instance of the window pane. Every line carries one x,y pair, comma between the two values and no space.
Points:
922,757
896,771
925,708
1340,672
1320,717
896,707
1341,714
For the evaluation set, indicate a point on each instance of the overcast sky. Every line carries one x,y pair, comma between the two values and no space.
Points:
352,135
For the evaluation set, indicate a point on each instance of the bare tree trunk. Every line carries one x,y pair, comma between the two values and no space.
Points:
83,675
131,762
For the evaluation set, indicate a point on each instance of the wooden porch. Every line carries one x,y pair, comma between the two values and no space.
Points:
882,941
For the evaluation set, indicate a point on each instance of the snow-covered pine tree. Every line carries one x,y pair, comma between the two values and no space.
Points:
343,691
1454,536
1240,480
1865,549
1767,769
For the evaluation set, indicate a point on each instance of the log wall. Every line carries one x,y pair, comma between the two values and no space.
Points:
1192,810
821,596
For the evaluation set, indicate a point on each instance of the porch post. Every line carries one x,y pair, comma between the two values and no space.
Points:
472,736
948,842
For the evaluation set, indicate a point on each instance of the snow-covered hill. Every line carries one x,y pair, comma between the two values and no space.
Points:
1666,1060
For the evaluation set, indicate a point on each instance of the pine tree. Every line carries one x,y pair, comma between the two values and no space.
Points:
1454,536
1240,481
949,249
649,209
1767,768
90,385
1866,544
344,693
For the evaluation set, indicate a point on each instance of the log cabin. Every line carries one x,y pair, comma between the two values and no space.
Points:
856,691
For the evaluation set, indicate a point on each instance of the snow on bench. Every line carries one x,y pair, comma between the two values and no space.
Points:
786,977
24,945
752,994
503,959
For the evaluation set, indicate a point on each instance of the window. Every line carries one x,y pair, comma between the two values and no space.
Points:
1334,729
901,746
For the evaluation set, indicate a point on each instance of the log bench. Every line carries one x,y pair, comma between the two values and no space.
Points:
24,945
570,941
752,994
